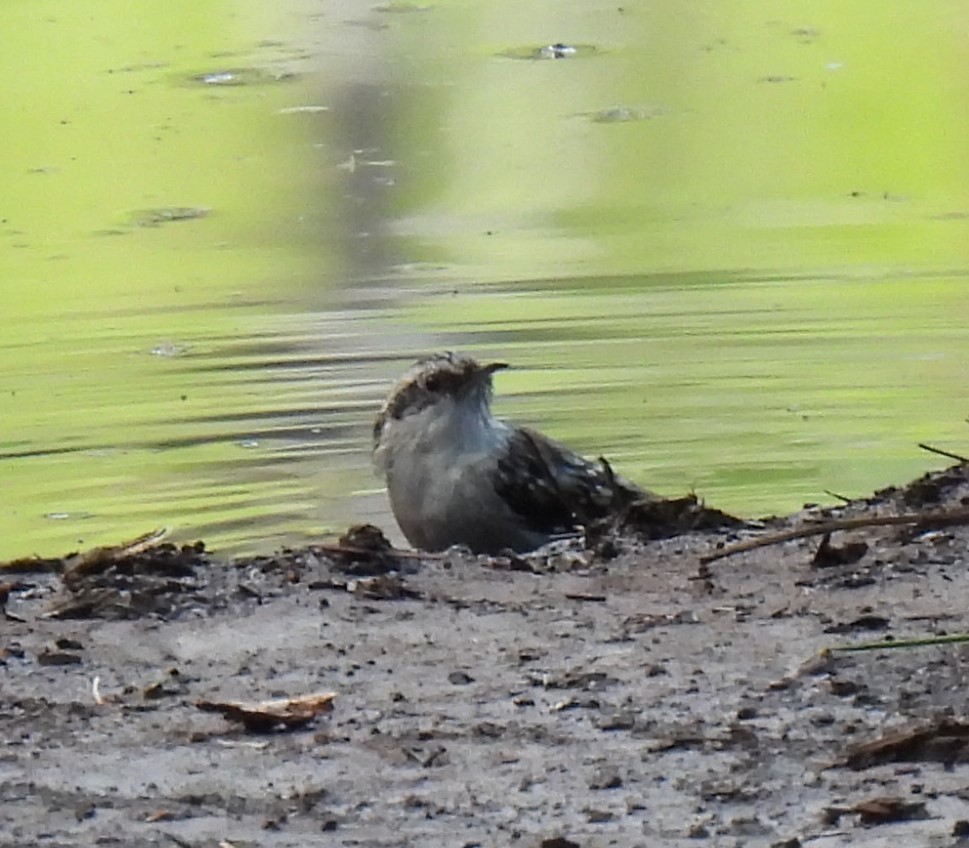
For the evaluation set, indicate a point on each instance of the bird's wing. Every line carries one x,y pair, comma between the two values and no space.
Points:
553,489
526,482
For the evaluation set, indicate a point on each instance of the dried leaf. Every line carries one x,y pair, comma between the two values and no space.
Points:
280,713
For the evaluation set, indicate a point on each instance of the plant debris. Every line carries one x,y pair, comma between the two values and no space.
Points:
830,556
127,581
277,714
881,810
476,693
944,741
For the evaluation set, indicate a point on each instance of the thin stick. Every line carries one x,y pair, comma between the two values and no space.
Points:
959,516
944,453
902,643
391,552
836,495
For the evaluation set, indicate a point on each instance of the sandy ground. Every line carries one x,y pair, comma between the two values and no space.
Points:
643,700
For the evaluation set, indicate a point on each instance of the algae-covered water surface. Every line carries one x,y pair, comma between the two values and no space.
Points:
725,248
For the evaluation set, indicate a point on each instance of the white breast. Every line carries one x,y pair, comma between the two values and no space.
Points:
440,465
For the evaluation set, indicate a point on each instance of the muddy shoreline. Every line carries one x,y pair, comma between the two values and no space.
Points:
638,699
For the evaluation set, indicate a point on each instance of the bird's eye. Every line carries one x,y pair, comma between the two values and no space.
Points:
433,383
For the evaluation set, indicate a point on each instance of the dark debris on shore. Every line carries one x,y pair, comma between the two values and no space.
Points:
682,677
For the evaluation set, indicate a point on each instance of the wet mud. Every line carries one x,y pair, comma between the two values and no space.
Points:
640,692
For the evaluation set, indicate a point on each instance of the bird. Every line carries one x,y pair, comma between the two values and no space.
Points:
458,475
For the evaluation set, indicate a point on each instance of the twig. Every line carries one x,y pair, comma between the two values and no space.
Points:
901,643
584,596
328,548
944,453
959,516
836,495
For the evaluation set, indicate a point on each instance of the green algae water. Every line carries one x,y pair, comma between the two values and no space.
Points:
724,248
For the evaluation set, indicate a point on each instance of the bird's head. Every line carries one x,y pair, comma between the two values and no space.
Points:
445,378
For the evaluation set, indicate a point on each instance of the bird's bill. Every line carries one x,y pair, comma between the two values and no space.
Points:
491,367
